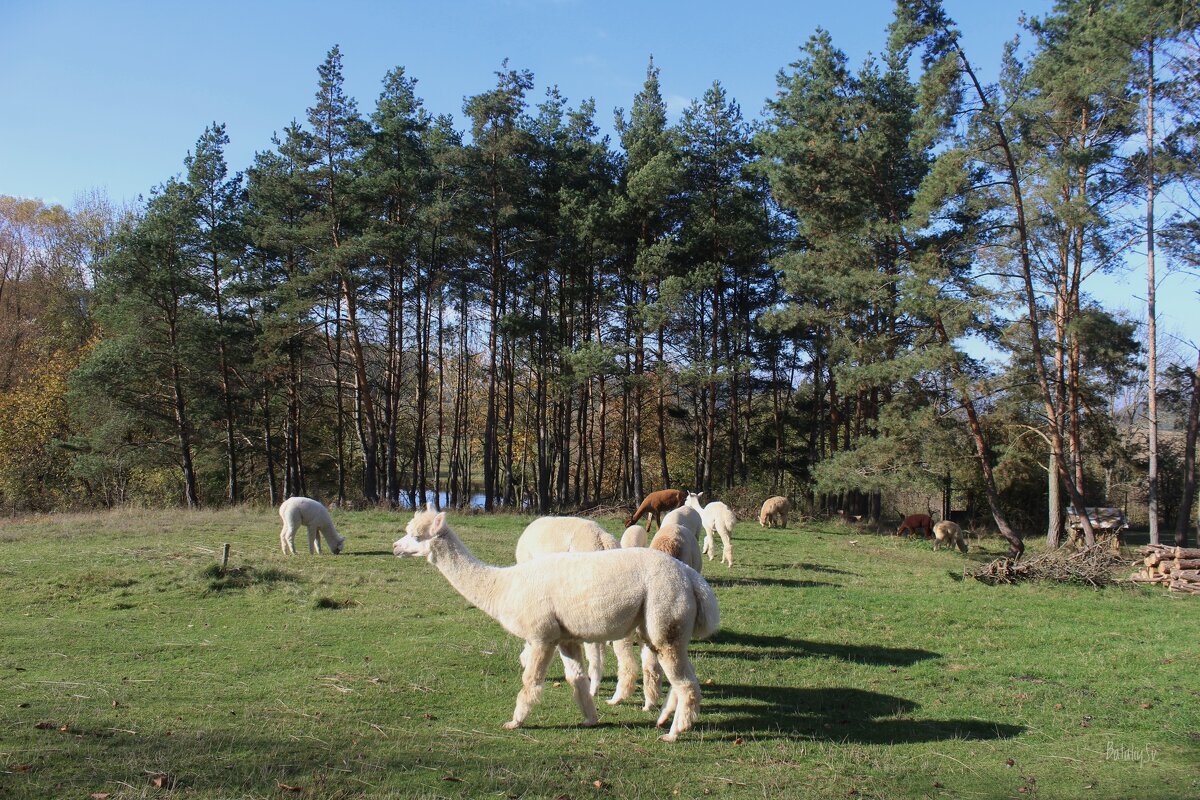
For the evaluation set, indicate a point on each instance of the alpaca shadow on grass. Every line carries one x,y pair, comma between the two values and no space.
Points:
804,565
840,714
369,553
755,647
791,583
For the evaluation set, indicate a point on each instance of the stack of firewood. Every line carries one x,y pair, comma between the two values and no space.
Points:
1178,568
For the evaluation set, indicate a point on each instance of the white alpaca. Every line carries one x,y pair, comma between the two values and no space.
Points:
570,535
297,511
774,512
634,536
678,542
561,535
681,544
564,599
718,521
688,517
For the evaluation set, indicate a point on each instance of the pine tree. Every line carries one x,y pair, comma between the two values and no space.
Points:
216,200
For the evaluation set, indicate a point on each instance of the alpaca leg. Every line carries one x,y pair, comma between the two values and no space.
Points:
596,652
572,658
651,677
726,547
287,540
314,540
708,544
668,708
626,671
685,691
532,679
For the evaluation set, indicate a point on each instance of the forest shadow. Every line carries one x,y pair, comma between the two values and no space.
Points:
840,714
755,647
791,583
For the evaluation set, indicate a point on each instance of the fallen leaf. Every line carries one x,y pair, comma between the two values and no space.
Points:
1022,696
100,796
739,740
600,784
427,715
1147,705
1010,763
938,785
161,781
64,728
1023,790
709,682
44,726
1058,706
21,767
558,683
452,779
289,788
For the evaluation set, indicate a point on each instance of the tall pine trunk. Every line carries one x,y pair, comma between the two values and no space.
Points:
1183,517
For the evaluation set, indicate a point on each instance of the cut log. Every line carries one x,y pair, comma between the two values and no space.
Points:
1190,575
1170,551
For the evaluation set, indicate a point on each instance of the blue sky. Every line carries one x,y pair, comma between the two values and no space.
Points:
112,95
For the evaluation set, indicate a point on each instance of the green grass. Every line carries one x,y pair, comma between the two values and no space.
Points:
848,665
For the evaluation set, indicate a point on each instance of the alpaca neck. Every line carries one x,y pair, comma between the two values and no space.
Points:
478,582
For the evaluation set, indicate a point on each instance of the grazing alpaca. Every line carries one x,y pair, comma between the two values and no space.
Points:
656,504
564,599
686,516
914,523
562,535
718,521
634,536
569,535
949,533
774,512
679,543
297,511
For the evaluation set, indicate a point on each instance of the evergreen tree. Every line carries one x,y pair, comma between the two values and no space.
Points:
498,179
216,200
153,356
648,209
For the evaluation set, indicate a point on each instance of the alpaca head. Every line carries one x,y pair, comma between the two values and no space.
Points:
422,529
693,501
337,545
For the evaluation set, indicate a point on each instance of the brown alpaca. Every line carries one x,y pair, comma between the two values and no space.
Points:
656,504
916,523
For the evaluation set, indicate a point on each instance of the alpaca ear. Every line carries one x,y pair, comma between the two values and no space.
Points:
439,524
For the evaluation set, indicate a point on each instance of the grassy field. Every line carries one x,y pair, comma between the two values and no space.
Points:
848,665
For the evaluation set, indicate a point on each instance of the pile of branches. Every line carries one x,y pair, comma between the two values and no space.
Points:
1091,566
1177,568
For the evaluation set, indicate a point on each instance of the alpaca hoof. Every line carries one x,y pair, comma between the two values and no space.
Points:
511,725
668,737
648,706
614,700
590,723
